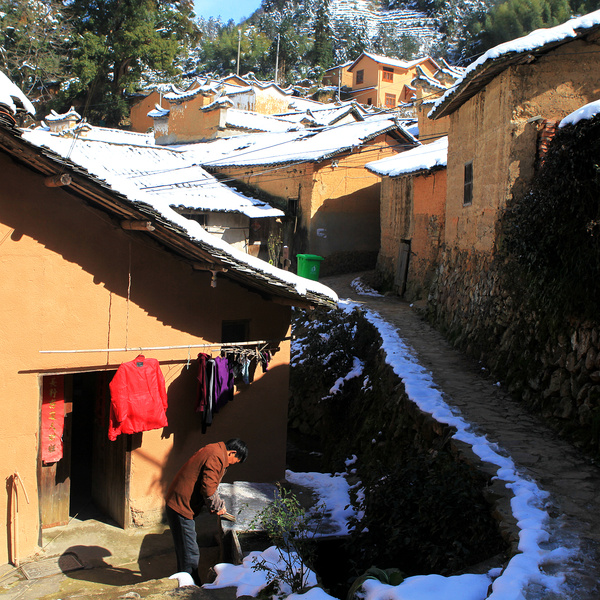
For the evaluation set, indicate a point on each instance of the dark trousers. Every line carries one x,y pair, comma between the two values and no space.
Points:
186,543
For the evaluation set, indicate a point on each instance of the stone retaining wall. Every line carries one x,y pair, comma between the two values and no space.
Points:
553,367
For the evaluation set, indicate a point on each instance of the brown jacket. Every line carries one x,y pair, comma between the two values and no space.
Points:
197,482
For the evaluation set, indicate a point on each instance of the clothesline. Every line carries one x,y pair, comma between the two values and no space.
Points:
184,347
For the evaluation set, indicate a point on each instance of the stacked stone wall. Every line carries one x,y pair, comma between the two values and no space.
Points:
552,366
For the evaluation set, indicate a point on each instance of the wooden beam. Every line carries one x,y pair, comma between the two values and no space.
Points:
133,225
202,266
58,180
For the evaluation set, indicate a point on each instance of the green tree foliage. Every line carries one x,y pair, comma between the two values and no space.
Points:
220,55
115,43
322,52
33,41
351,40
515,18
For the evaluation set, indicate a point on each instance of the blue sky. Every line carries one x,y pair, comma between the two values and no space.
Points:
227,9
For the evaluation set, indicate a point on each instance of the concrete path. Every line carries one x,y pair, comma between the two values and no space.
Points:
572,479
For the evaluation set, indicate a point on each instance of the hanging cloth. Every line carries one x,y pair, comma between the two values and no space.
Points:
223,386
138,398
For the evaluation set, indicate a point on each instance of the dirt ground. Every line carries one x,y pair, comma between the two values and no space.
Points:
571,478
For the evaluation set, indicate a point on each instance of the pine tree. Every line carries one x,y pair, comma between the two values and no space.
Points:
33,44
115,42
322,52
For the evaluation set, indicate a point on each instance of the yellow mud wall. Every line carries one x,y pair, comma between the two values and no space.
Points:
187,123
429,209
72,279
270,102
339,198
430,130
396,220
140,121
493,129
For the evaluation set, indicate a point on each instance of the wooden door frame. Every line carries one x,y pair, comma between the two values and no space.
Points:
125,519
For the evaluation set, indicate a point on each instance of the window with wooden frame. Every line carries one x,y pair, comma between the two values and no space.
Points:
360,76
390,100
388,74
468,184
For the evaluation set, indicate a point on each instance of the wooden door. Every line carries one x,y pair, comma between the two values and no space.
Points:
55,477
111,464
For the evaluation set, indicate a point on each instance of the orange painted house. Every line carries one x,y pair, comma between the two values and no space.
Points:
93,275
386,82
413,204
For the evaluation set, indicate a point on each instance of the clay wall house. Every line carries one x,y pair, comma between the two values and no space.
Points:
386,82
413,199
264,97
318,178
144,102
203,114
95,263
495,113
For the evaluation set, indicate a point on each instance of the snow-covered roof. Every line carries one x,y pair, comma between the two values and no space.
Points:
581,114
392,62
419,159
338,67
251,121
158,112
154,172
70,114
12,97
179,96
497,59
292,147
328,114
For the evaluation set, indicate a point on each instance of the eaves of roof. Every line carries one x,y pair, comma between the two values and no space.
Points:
483,74
167,234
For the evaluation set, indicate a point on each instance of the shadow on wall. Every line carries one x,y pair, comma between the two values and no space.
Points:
256,414
347,224
163,286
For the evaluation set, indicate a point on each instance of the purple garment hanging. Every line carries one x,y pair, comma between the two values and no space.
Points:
223,385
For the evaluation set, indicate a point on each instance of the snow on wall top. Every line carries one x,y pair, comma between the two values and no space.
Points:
536,40
581,114
422,158
13,97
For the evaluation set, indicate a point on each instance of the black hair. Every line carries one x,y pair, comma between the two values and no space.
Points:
241,450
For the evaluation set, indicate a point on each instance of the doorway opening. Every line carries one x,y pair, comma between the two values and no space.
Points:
91,478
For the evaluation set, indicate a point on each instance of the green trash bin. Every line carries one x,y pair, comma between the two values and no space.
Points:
309,266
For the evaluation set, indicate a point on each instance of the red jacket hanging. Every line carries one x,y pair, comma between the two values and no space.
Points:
138,398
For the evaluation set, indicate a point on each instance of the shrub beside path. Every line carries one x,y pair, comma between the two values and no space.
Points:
571,478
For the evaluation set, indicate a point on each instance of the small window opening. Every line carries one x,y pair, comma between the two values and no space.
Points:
235,331
360,76
468,185
293,207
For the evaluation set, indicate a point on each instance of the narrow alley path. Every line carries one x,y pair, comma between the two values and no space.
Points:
572,480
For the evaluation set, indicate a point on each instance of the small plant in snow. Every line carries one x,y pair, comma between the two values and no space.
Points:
292,530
